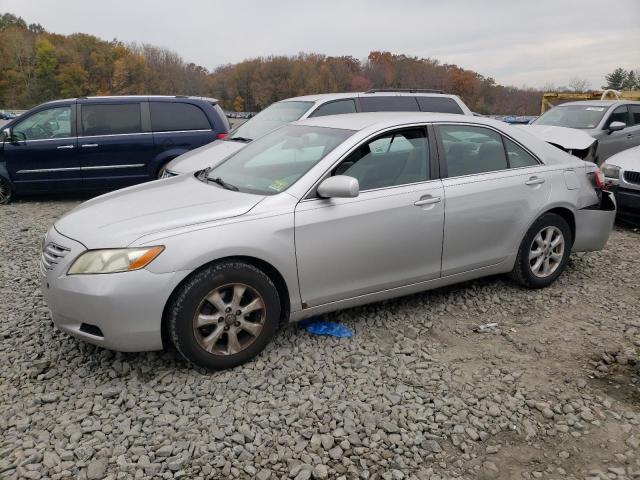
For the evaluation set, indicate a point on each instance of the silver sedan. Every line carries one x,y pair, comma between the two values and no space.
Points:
319,215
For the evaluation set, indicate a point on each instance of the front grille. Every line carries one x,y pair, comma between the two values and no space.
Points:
52,254
632,177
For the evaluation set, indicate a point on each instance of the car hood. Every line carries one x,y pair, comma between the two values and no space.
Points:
119,218
627,159
566,138
203,157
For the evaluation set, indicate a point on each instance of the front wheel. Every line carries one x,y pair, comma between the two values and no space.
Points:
6,192
544,252
224,315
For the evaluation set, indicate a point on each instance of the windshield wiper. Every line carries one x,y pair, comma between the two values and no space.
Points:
223,184
239,139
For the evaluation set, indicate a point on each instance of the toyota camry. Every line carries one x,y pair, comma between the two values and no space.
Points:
319,215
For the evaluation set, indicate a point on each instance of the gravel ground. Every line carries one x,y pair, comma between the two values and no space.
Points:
552,392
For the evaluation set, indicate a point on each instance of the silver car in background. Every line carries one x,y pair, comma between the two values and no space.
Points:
615,124
317,105
319,215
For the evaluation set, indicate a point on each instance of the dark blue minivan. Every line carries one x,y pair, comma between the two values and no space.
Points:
102,143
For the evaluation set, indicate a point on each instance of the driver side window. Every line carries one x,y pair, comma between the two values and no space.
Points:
45,125
620,114
396,158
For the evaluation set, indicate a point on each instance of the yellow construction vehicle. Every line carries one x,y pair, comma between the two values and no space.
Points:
551,99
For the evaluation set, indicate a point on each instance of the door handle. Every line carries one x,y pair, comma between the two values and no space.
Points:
65,147
534,181
629,135
428,200
89,145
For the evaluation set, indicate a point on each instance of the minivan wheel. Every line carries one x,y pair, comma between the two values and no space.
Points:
6,192
224,315
544,252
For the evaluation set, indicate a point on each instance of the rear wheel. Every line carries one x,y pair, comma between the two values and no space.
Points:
224,315
6,192
544,252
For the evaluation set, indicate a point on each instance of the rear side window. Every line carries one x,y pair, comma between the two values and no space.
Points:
439,104
518,156
389,104
111,119
620,114
470,150
335,108
635,114
171,117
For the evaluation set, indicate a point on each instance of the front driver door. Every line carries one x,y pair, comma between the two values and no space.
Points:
42,155
387,237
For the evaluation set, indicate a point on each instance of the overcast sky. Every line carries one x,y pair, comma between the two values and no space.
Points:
517,42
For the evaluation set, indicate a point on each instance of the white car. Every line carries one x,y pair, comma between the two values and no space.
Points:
318,105
622,173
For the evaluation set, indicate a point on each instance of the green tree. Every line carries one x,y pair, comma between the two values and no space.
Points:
72,80
46,86
616,79
631,82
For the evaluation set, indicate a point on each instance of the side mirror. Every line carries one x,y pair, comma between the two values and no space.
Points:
6,134
616,126
339,186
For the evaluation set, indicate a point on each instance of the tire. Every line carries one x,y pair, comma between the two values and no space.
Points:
204,318
533,249
6,192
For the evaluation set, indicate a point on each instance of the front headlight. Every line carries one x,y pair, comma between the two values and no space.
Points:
114,260
611,171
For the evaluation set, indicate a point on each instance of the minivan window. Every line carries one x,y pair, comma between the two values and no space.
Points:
110,119
469,150
174,116
47,124
276,161
335,108
270,118
395,103
439,104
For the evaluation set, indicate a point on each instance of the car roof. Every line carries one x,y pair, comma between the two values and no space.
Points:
600,103
135,97
337,96
360,121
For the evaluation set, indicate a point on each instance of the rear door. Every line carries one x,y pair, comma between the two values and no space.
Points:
43,155
493,188
115,145
178,127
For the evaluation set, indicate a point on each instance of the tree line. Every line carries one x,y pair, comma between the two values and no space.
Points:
38,66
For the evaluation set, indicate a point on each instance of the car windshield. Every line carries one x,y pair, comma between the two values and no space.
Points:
572,116
269,119
276,161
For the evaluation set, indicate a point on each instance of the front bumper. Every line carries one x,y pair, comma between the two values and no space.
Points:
628,203
119,311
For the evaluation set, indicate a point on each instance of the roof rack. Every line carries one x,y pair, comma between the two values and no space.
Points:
406,90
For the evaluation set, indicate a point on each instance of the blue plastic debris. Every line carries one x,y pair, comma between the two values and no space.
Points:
317,326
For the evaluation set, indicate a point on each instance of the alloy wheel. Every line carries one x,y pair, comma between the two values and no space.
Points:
229,319
546,251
